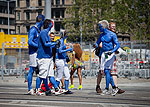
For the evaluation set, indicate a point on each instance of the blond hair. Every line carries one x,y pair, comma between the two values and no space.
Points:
78,50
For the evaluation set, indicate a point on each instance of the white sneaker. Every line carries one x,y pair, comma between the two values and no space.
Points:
62,90
52,91
58,91
105,92
114,91
31,92
39,93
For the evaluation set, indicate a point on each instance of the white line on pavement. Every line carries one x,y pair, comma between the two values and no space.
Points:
26,103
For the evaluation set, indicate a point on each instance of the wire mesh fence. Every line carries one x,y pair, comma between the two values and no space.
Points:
133,60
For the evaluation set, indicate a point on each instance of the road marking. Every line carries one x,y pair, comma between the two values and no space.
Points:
28,105
8,92
128,93
12,88
25,103
145,97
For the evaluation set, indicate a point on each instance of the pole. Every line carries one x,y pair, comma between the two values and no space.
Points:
81,31
90,59
48,9
140,42
8,16
2,62
20,67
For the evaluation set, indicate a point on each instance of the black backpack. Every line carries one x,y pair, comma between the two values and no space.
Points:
97,50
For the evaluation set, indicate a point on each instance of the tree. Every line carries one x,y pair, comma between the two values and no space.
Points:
128,14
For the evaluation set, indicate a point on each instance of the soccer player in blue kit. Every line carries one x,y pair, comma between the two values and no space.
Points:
45,59
110,44
33,46
61,64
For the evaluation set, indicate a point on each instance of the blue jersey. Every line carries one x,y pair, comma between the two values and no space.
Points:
61,51
33,40
44,45
109,41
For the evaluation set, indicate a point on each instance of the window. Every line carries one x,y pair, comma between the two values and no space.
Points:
27,16
57,2
18,16
57,26
28,3
1,9
1,21
40,2
12,22
57,13
63,2
27,28
18,3
18,28
12,11
63,13
5,21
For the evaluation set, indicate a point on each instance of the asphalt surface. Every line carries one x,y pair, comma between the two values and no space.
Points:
13,93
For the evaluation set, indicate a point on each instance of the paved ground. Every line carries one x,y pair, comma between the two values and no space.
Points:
13,94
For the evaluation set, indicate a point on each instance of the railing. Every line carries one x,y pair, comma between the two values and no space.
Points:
13,61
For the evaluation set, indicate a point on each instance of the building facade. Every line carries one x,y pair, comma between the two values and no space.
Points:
4,16
27,10
23,14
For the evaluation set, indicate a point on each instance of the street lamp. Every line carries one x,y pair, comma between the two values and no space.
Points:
81,31
48,9
8,12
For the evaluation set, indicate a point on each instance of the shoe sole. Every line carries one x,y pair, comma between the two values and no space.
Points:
114,94
105,94
57,93
79,88
121,92
68,93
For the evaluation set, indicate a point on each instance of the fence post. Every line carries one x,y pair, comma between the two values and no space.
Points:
20,61
90,58
2,62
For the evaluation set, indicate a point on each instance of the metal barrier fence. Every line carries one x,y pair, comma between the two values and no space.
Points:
132,61
13,61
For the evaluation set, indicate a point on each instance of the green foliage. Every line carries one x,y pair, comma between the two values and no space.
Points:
124,12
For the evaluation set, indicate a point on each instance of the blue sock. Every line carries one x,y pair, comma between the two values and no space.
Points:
38,82
107,73
30,75
66,84
112,81
57,82
53,81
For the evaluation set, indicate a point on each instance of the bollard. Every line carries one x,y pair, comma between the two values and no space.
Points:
2,62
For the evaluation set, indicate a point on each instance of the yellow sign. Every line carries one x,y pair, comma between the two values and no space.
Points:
85,56
16,41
